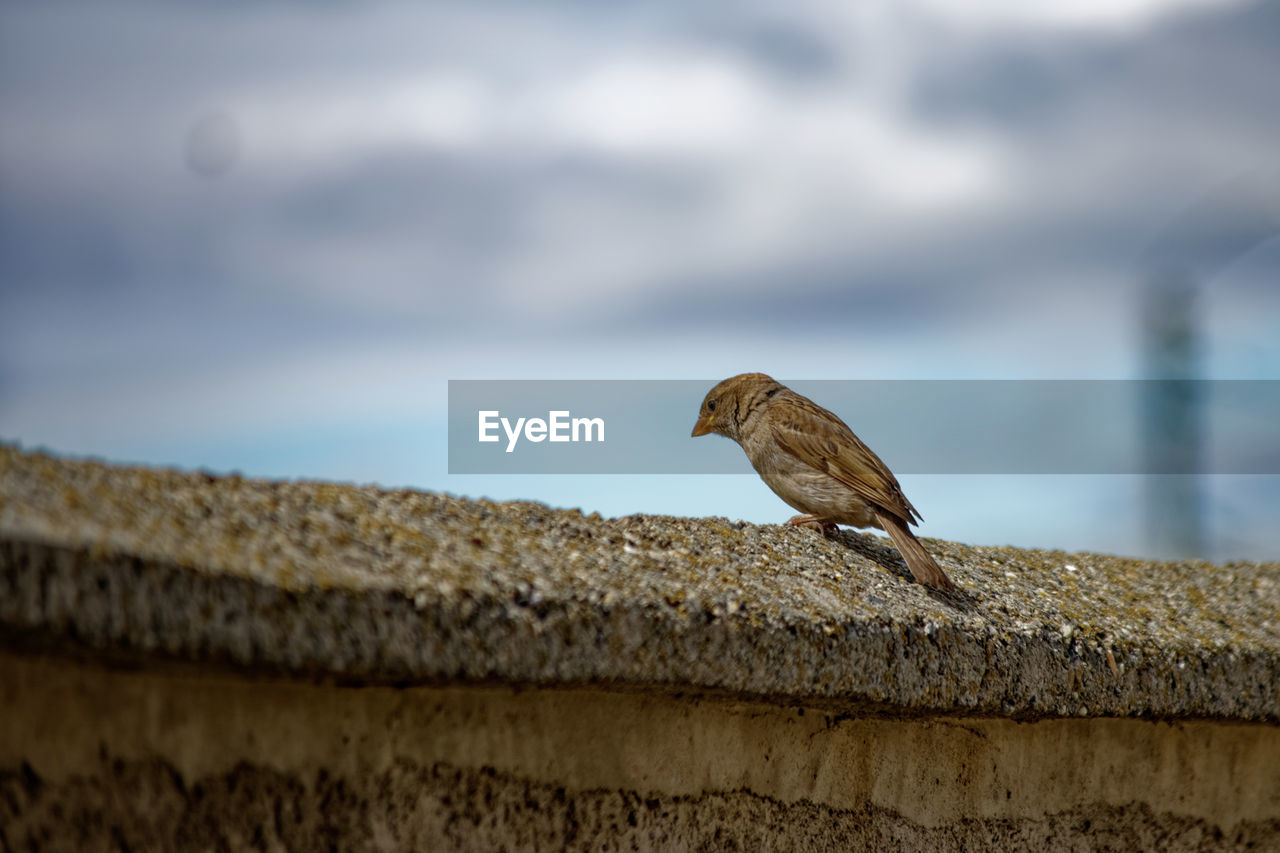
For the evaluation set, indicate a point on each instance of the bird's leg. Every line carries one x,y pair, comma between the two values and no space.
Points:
814,522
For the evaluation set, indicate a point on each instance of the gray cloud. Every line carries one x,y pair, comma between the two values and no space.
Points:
900,188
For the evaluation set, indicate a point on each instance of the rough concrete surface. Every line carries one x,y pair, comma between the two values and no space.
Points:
390,586
200,662
223,762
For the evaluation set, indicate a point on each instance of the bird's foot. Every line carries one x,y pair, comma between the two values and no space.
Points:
814,522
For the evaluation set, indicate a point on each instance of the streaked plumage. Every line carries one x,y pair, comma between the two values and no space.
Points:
815,463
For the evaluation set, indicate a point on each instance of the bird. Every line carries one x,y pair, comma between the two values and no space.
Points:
813,461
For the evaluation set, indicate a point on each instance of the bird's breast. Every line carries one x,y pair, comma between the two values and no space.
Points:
806,488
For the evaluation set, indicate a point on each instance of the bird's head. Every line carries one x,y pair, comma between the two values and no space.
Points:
728,405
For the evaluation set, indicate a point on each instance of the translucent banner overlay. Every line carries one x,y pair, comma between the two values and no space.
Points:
915,426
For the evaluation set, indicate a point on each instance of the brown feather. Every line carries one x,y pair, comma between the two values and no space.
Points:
814,462
921,563
821,440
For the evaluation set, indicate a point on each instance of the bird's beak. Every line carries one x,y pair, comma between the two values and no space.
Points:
702,427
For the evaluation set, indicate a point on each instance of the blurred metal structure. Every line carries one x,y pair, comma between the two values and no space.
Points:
1172,419
1180,262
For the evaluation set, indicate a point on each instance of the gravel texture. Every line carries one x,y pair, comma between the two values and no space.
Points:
363,585
437,807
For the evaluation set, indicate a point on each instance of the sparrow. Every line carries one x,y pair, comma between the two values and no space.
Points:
815,463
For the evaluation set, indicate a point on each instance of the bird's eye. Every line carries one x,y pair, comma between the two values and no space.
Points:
711,405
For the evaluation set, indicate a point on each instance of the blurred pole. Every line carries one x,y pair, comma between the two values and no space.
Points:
1172,413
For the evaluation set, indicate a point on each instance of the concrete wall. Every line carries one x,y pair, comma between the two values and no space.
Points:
97,757
183,669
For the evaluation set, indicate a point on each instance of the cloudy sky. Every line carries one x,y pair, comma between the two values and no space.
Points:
262,237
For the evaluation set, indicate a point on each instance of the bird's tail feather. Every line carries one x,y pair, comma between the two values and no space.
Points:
922,565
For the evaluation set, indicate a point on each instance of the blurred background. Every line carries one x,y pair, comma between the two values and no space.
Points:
262,236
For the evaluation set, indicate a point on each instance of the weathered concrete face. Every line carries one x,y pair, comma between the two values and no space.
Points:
191,758
176,641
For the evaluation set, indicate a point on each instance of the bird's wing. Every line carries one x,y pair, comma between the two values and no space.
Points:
821,440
